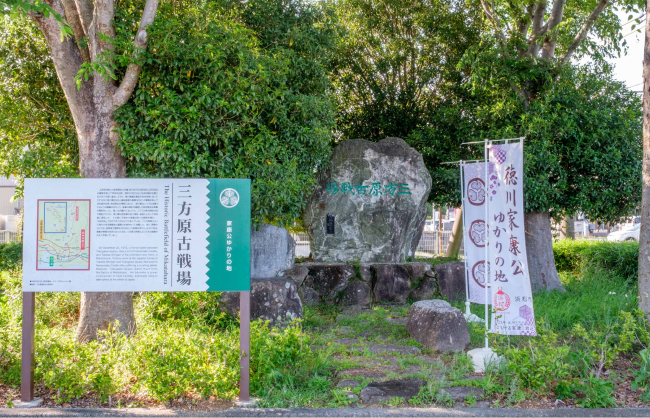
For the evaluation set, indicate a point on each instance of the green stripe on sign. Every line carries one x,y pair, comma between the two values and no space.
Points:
229,235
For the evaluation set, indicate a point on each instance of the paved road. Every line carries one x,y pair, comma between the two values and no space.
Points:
348,412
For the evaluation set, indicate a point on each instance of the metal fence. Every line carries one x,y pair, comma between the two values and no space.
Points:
434,243
6,236
431,244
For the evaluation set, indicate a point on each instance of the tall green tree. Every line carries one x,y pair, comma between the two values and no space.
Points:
243,97
582,152
396,73
37,137
81,39
524,49
246,100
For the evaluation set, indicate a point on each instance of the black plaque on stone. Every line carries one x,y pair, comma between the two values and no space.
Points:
330,223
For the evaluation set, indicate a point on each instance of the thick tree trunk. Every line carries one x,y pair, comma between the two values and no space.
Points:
92,106
539,248
100,158
456,237
644,234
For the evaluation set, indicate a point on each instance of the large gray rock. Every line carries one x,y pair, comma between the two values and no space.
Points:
451,280
272,251
377,392
438,325
382,222
391,282
275,300
329,280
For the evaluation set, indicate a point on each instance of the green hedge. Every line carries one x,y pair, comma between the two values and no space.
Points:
620,258
11,255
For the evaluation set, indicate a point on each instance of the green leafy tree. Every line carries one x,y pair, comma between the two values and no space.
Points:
274,124
524,49
396,73
37,137
582,152
243,98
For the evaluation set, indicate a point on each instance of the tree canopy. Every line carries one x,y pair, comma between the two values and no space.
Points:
583,149
396,73
37,136
228,89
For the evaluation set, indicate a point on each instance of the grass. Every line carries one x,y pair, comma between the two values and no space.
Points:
187,349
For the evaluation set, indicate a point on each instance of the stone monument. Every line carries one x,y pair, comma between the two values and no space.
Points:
370,203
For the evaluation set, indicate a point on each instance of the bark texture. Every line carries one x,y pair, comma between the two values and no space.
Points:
456,237
539,249
568,230
92,105
644,234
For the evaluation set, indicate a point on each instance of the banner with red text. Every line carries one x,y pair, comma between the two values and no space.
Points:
512,298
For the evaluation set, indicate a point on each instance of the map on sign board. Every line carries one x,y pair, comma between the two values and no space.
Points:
63,235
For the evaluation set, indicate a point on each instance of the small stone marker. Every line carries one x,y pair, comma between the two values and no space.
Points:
272,251
438,325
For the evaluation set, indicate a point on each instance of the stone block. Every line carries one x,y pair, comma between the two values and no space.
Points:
377,392
451,280
357,293
296,273
308,296
272,251
438,325
391,283
329,280
275,300
423,281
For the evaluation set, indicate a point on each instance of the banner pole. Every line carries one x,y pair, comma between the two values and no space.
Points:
27,359
462,208
487,240
244,345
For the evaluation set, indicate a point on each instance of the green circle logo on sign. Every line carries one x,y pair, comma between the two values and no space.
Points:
229,198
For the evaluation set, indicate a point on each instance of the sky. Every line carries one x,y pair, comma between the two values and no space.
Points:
629,68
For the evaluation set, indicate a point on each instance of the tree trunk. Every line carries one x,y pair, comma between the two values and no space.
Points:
92,104
644,234
539,248
456,237
567,229
100,158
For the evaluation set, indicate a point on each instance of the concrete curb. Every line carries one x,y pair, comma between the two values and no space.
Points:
343,412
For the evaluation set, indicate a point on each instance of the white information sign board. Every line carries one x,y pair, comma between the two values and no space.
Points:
136,235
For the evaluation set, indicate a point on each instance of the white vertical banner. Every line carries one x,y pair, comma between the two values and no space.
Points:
512,298
474,231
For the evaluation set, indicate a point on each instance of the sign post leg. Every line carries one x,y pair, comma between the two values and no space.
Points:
27,360
244,345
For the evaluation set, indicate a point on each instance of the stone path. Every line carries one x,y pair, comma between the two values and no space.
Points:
377,364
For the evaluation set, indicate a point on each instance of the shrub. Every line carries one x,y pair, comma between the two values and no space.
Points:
184,347
618,258
11,255
216,101
540,363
